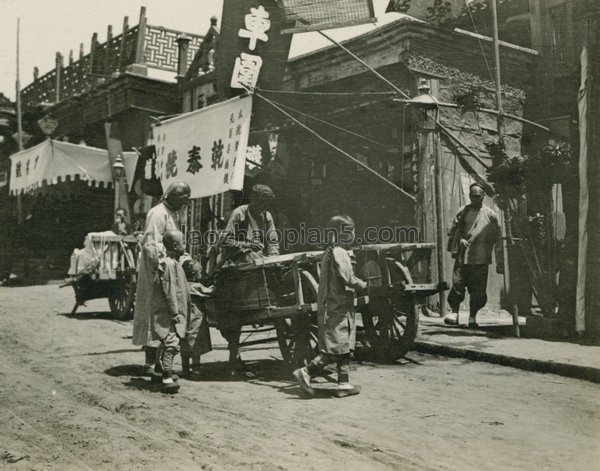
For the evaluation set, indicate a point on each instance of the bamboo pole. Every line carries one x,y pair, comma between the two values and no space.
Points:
19,120
439,211
506,235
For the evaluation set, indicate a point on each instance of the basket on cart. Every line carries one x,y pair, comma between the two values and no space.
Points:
106,268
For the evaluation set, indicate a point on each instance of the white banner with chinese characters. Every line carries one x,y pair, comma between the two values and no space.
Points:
205,148
52,162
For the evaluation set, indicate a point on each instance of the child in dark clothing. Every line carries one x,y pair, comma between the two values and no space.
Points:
197,338
170,314
336,317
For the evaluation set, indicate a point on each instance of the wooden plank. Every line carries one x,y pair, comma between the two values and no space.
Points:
140,50
122,53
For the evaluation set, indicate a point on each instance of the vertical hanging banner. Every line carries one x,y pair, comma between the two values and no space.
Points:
315,15
205,148
251,51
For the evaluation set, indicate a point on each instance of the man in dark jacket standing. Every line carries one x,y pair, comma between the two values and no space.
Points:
474,233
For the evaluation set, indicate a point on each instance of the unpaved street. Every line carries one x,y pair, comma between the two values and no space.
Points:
72,398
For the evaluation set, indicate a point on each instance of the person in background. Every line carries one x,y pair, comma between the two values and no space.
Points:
161,218
474,233
336,317
120,226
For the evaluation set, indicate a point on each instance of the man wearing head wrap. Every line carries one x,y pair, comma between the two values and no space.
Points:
250,233
475,232
161,218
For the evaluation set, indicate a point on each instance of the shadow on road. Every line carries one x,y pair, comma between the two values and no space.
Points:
92,315
125,370
460,332
113,352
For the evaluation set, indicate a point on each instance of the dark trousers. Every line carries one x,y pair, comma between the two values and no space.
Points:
315,367
232,335
472,278
168,350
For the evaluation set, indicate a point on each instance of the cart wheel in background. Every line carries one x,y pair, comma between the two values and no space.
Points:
122,302
298,337
391,331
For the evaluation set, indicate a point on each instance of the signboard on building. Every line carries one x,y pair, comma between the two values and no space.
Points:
437,12
205,148
251,51
315,15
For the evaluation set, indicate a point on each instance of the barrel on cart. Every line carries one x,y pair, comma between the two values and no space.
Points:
273,299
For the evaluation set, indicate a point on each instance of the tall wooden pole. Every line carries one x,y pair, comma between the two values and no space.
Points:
506,225
19,120
439,211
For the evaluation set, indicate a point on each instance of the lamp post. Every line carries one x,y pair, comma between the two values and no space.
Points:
118,171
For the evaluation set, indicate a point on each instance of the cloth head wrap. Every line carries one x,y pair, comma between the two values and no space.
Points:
172,187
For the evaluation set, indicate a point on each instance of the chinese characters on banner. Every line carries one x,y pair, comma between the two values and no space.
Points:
52,162
251,51
438,12
205,148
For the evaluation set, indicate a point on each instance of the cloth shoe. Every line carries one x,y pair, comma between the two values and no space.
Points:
451,319
345,390
193,374
303,378
157,378
169,386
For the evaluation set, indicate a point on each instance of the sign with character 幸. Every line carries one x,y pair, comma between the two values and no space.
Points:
205,148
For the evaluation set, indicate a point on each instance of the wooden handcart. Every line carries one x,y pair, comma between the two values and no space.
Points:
275,299
399,281
113,276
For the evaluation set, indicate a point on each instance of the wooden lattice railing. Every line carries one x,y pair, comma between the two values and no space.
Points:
153,46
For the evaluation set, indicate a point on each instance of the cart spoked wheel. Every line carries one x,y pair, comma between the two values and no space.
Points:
391,331
298,336
122,299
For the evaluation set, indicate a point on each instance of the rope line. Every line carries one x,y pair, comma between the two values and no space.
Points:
328,123
332,145
357,94
480,45
377,74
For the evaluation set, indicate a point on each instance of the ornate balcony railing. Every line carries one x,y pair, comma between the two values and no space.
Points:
153,46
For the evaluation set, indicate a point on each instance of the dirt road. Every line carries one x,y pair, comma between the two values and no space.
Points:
72,397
